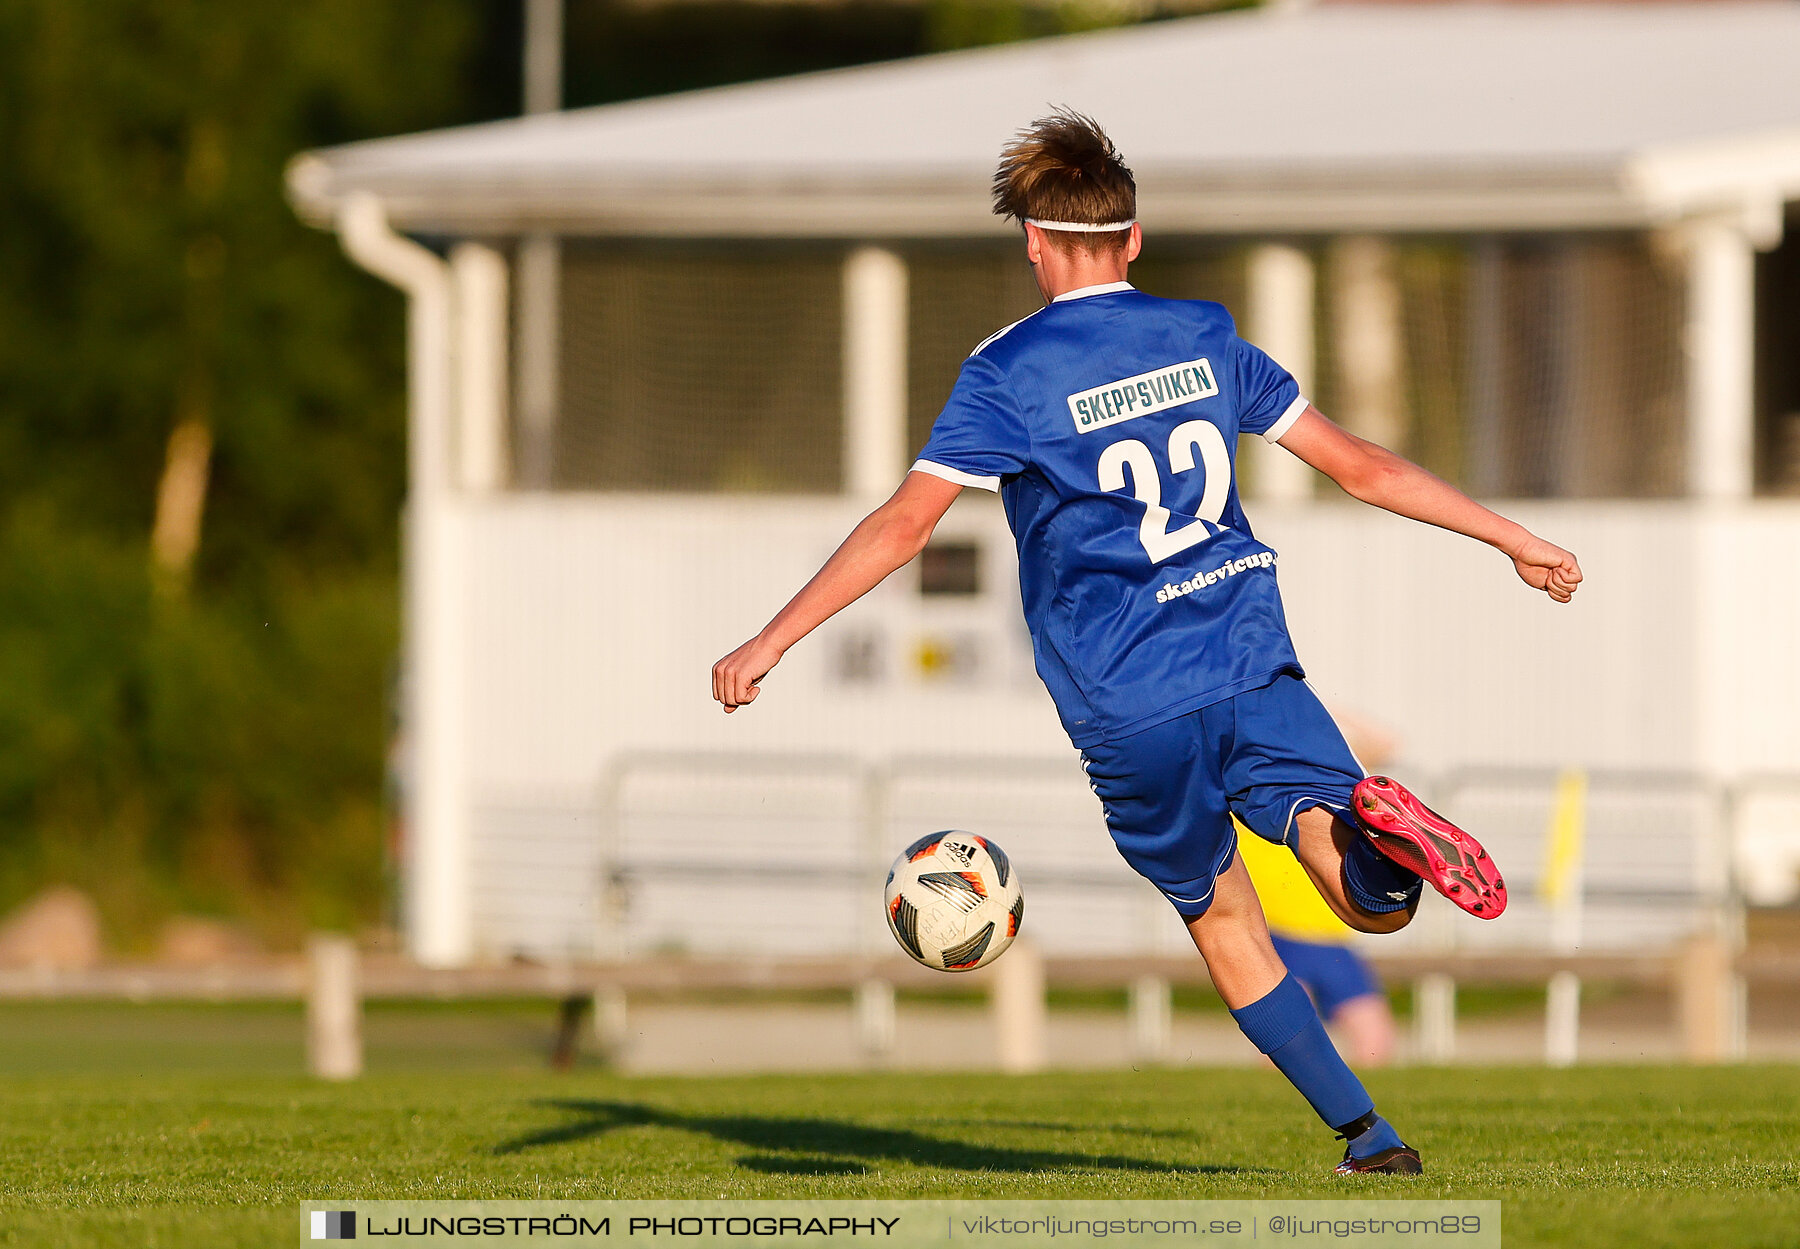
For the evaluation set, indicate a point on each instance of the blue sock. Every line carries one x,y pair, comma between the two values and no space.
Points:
1379,1137
1284,1025
1373,880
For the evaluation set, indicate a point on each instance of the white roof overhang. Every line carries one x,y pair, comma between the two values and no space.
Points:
1380,118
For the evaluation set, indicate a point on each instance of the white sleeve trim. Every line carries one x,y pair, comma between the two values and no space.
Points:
955,475
1286,420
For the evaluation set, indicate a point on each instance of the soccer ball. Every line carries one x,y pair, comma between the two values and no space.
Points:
953,901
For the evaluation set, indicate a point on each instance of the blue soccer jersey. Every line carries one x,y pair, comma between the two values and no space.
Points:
1108,421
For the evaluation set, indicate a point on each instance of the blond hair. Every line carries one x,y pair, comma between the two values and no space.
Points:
1064,168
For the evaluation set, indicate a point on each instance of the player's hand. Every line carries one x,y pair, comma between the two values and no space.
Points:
736,675
1545,566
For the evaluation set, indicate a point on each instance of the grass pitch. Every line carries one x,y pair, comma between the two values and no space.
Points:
155,1151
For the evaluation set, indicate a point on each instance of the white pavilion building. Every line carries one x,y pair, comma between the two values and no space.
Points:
664,353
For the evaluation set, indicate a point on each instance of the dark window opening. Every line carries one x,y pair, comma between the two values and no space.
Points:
1778,365
950,568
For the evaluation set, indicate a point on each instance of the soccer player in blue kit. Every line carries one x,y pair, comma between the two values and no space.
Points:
1107,420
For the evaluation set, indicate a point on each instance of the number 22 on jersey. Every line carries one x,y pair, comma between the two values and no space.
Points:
1161,543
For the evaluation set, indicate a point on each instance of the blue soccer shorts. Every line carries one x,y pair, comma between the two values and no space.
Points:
1332,974
1170,791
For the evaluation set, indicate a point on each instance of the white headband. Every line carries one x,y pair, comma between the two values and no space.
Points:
1082,227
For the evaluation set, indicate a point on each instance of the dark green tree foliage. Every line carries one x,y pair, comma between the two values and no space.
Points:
623,49
220,748
218,741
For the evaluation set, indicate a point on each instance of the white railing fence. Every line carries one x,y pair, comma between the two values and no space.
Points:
781,856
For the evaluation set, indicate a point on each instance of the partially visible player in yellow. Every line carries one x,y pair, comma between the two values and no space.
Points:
1311,939
1315,945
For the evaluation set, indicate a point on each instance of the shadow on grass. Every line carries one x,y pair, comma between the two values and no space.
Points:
825,1146
1041,1125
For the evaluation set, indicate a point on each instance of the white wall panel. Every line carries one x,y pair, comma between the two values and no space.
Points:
596,619
1435,637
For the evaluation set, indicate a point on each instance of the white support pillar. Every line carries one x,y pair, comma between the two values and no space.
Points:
1719,340
1721,354
875,315
1280,279
478,273
1369,339
436,868
540,356
1487,390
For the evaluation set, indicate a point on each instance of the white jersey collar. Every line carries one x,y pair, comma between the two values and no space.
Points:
1083,292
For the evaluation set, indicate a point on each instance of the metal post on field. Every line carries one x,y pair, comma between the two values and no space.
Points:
1021,1015
1709,1000
875,1018
612,1022
1152,1019
333,1009
1562,1019
1434,1017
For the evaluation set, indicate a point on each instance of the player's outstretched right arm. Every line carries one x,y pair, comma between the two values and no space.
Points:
1372,473
887,539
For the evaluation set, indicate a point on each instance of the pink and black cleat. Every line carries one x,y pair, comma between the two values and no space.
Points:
1417,838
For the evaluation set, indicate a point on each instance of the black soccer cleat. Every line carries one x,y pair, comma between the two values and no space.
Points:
1401,1161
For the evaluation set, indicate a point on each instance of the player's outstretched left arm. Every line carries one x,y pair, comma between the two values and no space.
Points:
887,539
1372,473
